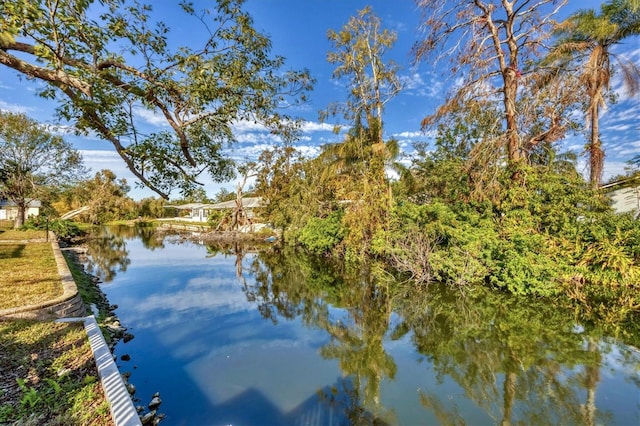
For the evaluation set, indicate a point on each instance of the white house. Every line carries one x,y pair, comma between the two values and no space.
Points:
626,200
624,195
199,212
9,210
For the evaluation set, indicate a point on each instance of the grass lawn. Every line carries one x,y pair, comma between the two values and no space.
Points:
29,274
17,235
48,376
47,371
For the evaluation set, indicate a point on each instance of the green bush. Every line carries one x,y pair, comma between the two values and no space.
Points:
526,263
434,242
64,229
321,235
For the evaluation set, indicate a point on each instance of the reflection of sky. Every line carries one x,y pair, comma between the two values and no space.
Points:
197,311
287,372
205,347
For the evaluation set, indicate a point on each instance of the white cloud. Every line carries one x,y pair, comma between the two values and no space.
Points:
242,126
100,156
310,126
409,135
415,84
151,117
253,138
4,106
614,168
309,151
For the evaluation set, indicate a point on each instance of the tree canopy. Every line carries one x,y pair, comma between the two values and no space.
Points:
108,64
492,47
585,39
32,160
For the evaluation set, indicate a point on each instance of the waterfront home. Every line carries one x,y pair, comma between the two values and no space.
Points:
9,210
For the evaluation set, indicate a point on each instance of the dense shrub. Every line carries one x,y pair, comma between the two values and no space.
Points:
433,242
321,235
64,229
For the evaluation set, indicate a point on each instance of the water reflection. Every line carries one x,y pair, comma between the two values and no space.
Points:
300,339
107,255
350,306
107,249
521,361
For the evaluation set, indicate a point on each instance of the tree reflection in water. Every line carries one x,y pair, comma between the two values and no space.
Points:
107,248
107,254
288,285
506,352
520,360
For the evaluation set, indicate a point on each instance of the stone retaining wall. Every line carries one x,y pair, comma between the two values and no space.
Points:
69,304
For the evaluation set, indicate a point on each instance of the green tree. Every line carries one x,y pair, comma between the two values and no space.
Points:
108,64
359,53
106,197
277,180
151,207
586,39
32,161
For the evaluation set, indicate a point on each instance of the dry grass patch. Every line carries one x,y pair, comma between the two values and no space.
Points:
48,376
29,274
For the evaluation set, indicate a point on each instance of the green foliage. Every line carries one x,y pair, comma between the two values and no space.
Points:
322,235
544,232
219,217
433,242
526,263
32,161
117,55
64,229
106,198
152,208
278,182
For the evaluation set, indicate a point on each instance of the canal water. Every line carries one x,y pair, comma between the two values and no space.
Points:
251,336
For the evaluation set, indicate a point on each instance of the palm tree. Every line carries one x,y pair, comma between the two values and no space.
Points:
586,38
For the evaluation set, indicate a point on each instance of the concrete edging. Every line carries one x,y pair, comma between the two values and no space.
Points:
69,304
121,406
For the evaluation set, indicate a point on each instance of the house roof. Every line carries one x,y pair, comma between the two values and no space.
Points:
247,202
186,206
32,203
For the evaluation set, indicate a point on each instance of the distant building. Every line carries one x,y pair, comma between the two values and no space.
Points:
625,196
199,212
9,210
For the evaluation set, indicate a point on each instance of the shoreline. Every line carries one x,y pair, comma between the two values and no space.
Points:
110,328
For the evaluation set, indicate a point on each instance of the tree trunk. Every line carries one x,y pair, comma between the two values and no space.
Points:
592,378
596,155
509,395
510,94
22,208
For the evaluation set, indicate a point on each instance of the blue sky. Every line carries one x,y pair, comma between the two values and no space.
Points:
298,31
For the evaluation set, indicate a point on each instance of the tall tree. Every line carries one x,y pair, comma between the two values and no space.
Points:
359,53
277,182
586,38
106,197
109,65
489,44
360,50
32,160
